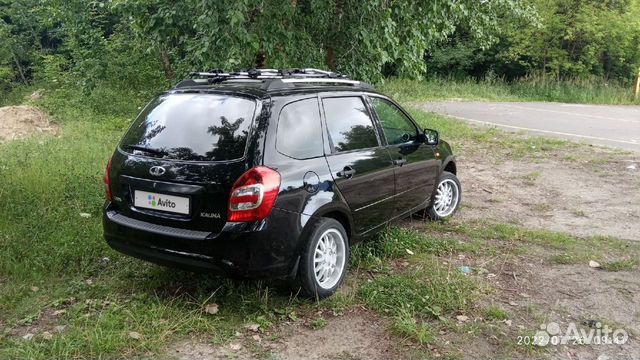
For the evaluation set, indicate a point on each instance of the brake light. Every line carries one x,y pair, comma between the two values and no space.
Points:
107,182
253,195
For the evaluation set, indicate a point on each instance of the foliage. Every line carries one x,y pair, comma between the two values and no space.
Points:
139,44
358,38
581,38
574,39
141,47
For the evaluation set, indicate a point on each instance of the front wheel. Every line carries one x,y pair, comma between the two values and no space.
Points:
447,199
323,265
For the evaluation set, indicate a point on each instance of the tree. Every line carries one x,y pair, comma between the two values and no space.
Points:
577,39
360,38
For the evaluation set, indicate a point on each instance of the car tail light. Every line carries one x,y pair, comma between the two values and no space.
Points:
107,182
253,195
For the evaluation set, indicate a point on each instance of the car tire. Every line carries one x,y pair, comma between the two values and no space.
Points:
447,198
323,265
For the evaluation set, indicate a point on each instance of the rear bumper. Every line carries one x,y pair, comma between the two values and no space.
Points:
268,249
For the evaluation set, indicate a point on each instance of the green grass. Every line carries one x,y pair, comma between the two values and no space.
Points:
555,247
620,265
425,288
591,91
399,242
495,313
405,324
318,323
433,291
16,95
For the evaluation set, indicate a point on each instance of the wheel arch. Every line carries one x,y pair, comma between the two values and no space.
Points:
450,166
345,220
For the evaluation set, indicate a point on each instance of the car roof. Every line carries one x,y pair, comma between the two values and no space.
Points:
260,93
263,83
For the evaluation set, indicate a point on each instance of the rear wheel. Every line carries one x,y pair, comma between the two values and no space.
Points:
323,265
447,199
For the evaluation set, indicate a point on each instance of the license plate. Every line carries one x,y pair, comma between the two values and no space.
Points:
161,202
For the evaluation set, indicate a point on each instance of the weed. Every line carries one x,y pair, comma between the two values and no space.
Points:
406,325
565,259
495,313
398,242
318,323
579,213
530,179
432,291
619,265
338,303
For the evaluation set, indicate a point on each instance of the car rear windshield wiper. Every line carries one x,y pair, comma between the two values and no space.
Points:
147,149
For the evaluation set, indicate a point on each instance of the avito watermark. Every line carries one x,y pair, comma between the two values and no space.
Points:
552,334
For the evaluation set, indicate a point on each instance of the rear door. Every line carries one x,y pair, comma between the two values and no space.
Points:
360,166
179,159
416,166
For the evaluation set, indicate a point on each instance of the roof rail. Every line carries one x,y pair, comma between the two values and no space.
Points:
323,80
271,79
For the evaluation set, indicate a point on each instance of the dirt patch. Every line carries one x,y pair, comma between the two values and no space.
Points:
50,321
195,349
550,300
580,199
575,303
358,334
18,122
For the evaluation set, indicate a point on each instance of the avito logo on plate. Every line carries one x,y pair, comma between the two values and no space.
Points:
160,203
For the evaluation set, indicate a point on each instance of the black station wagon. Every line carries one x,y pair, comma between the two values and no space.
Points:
271,173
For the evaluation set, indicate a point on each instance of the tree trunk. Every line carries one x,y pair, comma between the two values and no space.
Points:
330,41
166,65
606,64
19,67
544,66
261,58
328,60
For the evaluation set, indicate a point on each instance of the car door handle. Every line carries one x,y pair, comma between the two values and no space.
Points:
347,172
399,162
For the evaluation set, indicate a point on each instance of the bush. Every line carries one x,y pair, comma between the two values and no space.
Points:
6,78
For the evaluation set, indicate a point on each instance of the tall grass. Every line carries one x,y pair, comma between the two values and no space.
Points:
532,88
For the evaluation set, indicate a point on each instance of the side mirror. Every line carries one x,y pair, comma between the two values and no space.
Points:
431,137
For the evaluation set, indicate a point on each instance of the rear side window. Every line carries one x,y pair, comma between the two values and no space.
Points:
299,133
349,124
192,127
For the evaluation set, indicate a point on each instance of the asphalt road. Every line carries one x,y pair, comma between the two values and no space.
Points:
609,125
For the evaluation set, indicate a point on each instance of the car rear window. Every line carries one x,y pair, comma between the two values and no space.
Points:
192,127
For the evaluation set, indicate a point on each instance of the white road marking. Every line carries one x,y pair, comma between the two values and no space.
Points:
542,131
571,113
